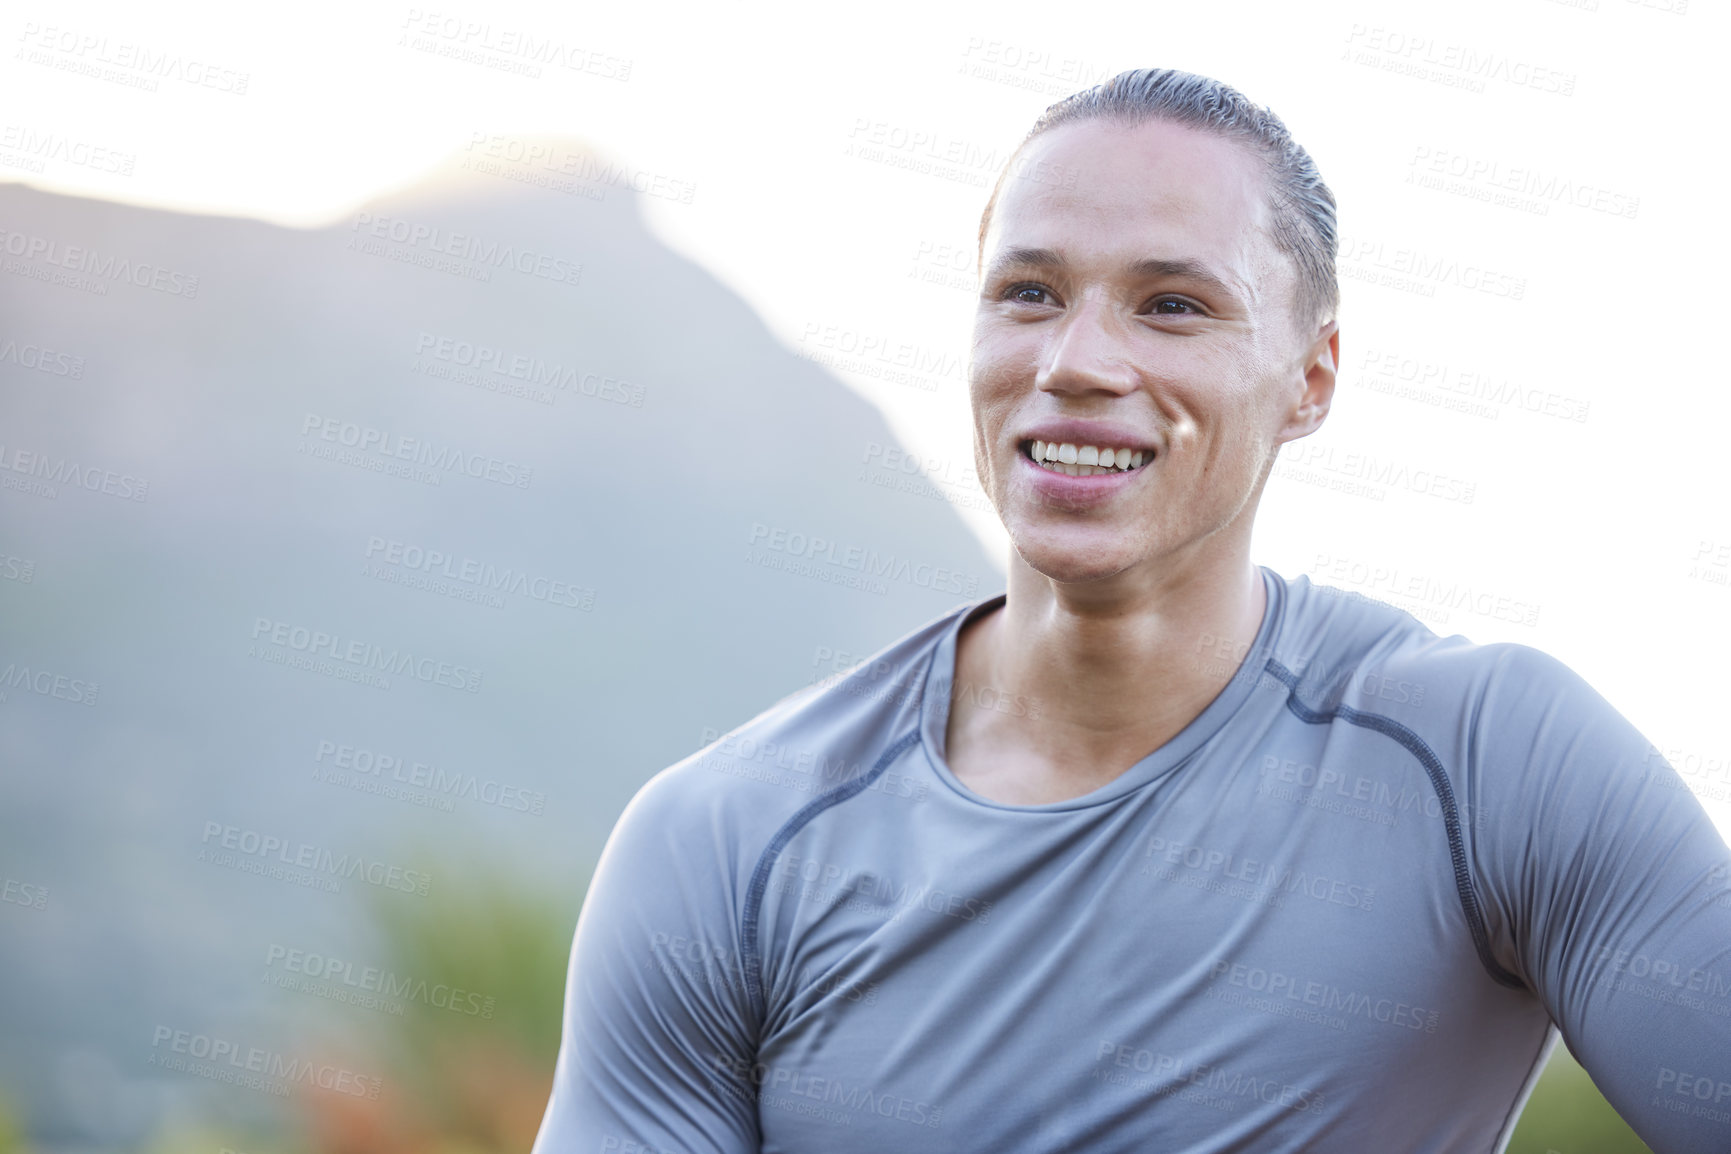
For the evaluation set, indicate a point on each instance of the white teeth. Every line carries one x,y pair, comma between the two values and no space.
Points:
1086,460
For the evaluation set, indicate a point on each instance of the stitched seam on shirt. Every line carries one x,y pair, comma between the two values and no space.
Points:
1416,746
751,956
1534,1072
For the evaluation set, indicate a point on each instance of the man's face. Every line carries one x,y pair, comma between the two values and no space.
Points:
1142,306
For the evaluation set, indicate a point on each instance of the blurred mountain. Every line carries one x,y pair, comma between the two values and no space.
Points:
486,433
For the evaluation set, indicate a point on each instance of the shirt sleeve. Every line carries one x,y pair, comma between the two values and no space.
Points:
1608,890
656,1013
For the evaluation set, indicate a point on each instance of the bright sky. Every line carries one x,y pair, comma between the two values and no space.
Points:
1537,179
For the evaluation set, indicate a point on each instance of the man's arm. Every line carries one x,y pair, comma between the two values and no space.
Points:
1613,892
656,1015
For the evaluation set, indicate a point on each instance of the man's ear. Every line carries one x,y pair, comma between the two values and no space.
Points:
1317,370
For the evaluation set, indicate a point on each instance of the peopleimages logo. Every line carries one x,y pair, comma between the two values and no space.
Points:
1514,186
41,358
583,170
1165,1070
1034,69
363,655
1702,1088
362,768
1663,971
1459,388
1266,883
1381,580
24,894
235,847
740,755
1453,65
104,266
225,1060
341,980
523,49
493,369
48,683
1326,998
869,562
1413,269
882,357
426,244
23,144
90,54
388,447
481,575
798,1090
46,471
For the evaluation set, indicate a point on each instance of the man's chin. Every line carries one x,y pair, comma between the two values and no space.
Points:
1074,558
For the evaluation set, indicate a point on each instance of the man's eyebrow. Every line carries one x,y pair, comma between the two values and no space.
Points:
1037,257
1188,269
1146,267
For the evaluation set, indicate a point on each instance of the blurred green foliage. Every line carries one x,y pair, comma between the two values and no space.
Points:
11,1129
472,1078
1568,1115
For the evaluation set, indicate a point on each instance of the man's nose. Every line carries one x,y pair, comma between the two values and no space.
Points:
1087,352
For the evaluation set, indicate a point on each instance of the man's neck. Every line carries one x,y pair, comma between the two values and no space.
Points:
1109,673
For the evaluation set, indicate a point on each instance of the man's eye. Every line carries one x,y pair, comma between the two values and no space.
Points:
1172,307
1029,294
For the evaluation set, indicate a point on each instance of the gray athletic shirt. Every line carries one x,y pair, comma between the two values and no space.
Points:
1339,911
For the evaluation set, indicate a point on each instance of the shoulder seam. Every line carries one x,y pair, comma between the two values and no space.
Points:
750,956
1416,746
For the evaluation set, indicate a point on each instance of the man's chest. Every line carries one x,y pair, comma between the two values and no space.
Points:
1260,951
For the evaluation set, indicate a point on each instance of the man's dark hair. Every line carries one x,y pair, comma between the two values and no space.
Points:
1303,206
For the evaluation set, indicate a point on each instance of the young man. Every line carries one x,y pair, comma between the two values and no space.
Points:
1158,850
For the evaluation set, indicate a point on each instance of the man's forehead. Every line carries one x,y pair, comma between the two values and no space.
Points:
1100,189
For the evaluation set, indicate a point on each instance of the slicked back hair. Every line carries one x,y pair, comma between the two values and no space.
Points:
1303,206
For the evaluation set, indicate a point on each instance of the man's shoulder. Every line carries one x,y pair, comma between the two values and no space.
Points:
1339,646
1502,719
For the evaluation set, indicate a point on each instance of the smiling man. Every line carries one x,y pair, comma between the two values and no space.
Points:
1260,867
